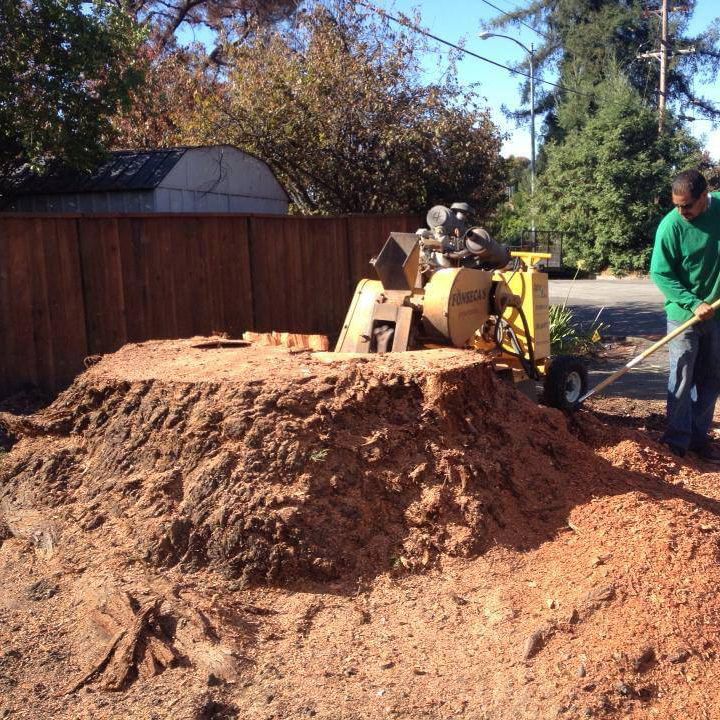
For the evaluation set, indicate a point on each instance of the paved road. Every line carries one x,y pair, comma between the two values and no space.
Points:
631,309
627,307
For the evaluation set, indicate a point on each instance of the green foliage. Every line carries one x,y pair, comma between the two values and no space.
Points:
176,82
65,68
518,171
603,171
608,182
566,335
512,217
337,109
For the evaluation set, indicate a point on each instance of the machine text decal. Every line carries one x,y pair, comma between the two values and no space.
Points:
467,296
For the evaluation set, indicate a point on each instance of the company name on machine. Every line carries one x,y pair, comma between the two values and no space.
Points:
467,296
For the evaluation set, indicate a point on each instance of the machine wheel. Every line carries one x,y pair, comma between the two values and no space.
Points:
566,381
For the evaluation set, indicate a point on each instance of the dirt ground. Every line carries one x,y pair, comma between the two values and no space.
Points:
207,530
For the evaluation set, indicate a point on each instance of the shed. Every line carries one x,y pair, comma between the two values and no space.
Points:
218,178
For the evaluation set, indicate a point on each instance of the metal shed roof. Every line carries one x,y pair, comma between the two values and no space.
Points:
123,170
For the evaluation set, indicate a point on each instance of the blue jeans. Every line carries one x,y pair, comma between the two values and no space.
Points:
694,383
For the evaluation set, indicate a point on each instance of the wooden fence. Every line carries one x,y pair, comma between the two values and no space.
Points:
73,286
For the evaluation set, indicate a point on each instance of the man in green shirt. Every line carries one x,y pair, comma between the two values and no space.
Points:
686,267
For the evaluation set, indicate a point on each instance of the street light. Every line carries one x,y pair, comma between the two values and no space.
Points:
531,53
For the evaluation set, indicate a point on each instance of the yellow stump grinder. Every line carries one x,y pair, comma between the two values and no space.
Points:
452,284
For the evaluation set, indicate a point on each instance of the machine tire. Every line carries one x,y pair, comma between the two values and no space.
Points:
566,381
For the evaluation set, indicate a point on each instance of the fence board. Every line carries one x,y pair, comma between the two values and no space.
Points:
6,327
327,277
66,305
184,253
299,272
42,320
39,301
38,231
270,264
16,314
194,308
230,276
103,290
160,279
133,258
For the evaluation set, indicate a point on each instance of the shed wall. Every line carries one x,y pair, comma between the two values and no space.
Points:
221,179
176,200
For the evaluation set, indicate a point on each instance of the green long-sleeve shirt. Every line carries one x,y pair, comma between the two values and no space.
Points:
685,262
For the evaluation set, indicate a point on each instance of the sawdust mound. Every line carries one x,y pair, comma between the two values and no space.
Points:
304,469
203,531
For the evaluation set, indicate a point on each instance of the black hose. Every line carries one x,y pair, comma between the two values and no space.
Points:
515,268
528,363
526,328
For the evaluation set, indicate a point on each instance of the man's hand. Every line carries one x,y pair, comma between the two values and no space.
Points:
704,311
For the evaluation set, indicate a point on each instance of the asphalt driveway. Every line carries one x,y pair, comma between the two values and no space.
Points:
630,309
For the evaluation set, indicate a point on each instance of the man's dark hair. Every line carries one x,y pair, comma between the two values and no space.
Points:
690,181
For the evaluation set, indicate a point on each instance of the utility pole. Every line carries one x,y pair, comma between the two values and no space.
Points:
663,65
663,55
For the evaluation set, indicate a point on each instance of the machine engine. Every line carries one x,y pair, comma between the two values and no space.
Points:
450,242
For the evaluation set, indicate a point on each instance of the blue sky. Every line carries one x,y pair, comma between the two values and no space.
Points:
462,20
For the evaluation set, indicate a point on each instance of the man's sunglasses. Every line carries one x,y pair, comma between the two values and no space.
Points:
687,206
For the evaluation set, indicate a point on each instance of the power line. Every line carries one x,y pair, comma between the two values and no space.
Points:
406,23
517,20
707,105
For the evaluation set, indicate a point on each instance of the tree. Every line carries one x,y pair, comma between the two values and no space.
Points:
585,40
603,171
602,184
518,170
177,82
335,106
512,217
180,74
225,19
65,67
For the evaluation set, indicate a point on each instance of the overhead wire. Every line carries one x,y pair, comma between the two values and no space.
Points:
411,26
517,20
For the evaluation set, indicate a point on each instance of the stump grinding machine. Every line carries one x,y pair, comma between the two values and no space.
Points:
453,285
